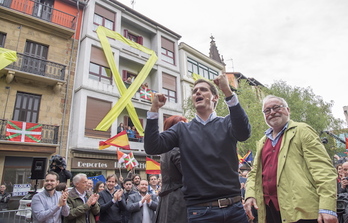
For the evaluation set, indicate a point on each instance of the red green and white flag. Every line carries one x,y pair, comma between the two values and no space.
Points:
145,93
23,131
121,156
130,161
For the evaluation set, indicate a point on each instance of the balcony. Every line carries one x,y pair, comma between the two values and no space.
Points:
38,67
49,133
42,11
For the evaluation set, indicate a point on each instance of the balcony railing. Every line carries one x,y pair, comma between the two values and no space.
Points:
49,133
38,66
42,11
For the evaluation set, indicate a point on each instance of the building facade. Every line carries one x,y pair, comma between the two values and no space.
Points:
96,92
36,89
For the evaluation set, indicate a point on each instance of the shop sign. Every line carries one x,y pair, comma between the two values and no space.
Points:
78,163
91,164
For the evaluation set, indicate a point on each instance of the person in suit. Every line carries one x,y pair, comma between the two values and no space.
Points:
141,205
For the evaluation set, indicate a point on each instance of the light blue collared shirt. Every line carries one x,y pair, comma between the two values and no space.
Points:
45,207
269,132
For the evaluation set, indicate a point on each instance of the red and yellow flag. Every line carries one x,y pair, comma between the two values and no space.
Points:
119,140
152,167
23,131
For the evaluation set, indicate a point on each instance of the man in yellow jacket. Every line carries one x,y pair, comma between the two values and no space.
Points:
293,179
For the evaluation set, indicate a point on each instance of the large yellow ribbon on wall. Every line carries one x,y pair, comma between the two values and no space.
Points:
126,94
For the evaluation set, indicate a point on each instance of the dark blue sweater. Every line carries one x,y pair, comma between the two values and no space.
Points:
209,158
110,212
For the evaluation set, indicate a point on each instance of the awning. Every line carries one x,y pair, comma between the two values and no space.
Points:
6,57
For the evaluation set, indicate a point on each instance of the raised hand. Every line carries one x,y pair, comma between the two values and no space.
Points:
222,82
158,100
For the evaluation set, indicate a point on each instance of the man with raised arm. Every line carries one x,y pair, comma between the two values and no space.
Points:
208,152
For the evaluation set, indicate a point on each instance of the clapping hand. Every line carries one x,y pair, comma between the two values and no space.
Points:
92,199
118,194
63,198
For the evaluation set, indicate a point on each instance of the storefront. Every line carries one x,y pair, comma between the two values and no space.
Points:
104,165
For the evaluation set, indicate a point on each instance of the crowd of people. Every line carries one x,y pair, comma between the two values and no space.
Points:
132,133
104,202
292,178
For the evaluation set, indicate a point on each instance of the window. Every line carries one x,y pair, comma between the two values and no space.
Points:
167,51
17,170
128,122
169,87
27,107
133,37
103,17
198,68
128,77
43,9
95,112
2,39
98,67
35,58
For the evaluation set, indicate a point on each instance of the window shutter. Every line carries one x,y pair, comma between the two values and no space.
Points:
104,13
167,44
124,75
125,33
140,40
98,56
96,110
125,120
169,82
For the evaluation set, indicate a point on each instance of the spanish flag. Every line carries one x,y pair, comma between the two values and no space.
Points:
152,167
119,140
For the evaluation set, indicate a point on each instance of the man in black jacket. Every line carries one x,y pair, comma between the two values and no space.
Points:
127,190
111,202
4,197
208,152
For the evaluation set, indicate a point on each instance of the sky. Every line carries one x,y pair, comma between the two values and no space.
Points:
302,42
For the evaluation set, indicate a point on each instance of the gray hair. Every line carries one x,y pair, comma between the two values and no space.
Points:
78,177
268,97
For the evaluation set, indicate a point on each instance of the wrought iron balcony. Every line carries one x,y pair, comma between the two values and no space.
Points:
37,66
49,133
43,11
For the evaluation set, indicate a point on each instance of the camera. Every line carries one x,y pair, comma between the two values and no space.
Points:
57,162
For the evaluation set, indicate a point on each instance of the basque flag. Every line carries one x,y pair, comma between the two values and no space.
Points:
23,131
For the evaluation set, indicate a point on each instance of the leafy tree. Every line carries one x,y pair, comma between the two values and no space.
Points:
304,105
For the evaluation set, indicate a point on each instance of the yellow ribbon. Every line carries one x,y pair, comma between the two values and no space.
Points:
126,94
7,57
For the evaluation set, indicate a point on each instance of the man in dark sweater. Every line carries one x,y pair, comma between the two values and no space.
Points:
208,152
111,202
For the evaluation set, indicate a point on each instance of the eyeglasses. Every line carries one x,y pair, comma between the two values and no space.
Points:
275,108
